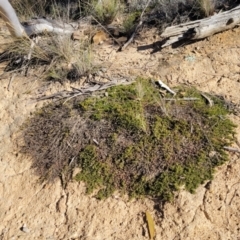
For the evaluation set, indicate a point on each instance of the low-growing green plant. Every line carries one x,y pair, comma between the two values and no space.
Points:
124,140
129,23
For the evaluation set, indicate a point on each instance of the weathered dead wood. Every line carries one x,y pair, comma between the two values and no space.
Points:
231,149
203,28
42,25
87,90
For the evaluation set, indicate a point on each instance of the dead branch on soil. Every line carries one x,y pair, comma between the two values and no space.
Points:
137,27
42,25
88,90
231,149
163,85
182,99
10,81
200,29
209,100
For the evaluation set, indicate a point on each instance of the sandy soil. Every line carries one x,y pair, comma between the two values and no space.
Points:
32,210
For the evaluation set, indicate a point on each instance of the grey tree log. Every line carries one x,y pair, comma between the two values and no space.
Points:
203,28
9,16
189,31
35,26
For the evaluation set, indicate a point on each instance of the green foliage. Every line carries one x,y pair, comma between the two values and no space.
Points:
133,141
123,106
177,142
94,172
105,10
130,21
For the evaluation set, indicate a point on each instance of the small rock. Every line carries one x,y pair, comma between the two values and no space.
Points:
24,229
75,172
104,70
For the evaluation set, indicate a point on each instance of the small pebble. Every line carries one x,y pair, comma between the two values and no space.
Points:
24,229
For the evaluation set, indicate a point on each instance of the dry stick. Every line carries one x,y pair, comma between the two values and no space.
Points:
163,85
29,56
33,43
97,88
85,91
231,149
210,101
182,99
137,27
11,79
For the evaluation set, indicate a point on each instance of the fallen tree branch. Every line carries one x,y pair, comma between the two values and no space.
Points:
163,85
10,81
42,25
9,16
34,26
200,29
231,149
182,99
68,95
209,100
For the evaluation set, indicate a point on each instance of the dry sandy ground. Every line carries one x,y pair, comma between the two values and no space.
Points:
32,210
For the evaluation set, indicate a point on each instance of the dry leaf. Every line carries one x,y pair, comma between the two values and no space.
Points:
150,223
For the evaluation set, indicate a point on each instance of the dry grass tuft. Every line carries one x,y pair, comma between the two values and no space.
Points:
57,56
207,7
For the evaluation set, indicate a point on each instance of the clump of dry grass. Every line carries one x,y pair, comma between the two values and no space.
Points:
29,8
64,9
207,7
57,56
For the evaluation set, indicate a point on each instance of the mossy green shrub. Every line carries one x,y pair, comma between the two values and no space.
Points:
132,140
130,21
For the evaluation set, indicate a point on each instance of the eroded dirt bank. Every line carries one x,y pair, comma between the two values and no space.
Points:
46,211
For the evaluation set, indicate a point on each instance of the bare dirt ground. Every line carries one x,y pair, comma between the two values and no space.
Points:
32,210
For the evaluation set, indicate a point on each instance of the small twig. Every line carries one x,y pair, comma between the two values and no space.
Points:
77,89
68,95
58,95
10,81
33,42
71,161
231,149
95,88
163,85
210,101
95,141
136,29
75,95
181,99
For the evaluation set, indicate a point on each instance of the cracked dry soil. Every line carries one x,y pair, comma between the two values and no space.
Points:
46,211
